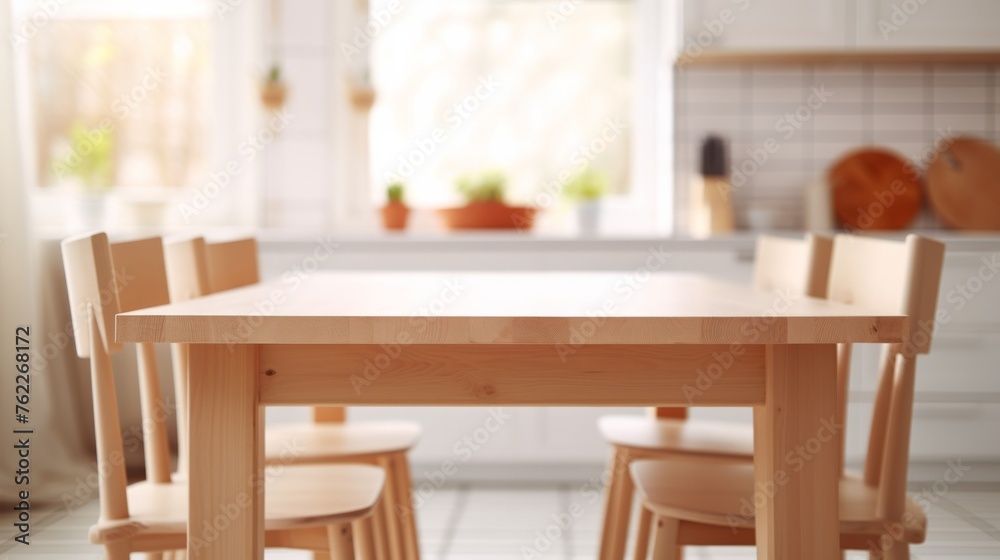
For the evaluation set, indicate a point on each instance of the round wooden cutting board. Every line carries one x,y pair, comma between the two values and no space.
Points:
874,188
963,184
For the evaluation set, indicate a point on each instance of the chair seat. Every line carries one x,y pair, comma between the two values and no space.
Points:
295,497
682,436
331,442
722,494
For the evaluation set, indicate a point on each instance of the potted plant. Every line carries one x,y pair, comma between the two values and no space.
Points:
395,212
361,92
90,168
273,92
485,207
586,188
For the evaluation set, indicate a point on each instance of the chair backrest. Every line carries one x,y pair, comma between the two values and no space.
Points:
103,280
187,275
801,266
92,289
231,264
141,277
93,298
891,277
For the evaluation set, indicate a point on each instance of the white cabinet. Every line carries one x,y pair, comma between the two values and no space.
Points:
764,25
927,24
837,26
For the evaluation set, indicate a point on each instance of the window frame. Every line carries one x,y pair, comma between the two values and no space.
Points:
236,36
648,207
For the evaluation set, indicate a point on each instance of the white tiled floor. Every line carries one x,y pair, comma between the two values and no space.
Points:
551,521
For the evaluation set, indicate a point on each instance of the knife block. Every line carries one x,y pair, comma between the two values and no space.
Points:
712,206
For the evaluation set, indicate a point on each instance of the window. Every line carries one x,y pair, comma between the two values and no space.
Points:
119,100
529,88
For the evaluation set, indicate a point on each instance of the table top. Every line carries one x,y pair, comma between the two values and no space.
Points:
570,308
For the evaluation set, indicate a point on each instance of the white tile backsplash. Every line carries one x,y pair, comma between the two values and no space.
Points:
898,106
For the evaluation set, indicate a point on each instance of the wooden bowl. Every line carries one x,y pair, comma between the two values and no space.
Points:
963,184
874,189
488,215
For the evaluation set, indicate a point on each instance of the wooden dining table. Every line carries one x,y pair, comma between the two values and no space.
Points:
638,338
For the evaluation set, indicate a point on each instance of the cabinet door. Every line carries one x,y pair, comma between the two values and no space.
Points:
765,25
928,25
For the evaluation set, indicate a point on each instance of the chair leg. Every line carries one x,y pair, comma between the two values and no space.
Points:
898,551
341,541
364,539
380,529
155,555
642,534
117,551
618,507
404,500
665,538
392,532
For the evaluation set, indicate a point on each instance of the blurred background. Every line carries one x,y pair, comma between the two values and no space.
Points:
404,134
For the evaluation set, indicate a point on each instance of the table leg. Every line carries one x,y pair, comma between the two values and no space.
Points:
796,455
226,494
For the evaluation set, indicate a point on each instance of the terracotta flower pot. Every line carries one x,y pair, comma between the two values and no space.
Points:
362,98
488,215
273,95
394,215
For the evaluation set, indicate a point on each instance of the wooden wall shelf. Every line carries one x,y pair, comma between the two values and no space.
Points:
712,58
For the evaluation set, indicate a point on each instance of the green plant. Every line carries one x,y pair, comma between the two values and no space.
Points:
92,158
395,191
586,186
488,186
274,74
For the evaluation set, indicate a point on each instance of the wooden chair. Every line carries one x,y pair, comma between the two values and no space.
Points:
697,503
320,508
799,266
195,269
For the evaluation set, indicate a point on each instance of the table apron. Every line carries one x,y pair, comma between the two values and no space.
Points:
515,375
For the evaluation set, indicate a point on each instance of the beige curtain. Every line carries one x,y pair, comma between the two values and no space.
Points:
60,413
